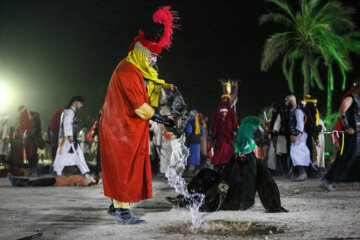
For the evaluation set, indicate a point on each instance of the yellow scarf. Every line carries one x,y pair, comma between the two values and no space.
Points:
138,57
317,116
197,125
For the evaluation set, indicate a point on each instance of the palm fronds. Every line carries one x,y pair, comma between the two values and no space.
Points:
318,32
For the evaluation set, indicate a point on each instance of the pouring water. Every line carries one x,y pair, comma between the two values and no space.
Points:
174,177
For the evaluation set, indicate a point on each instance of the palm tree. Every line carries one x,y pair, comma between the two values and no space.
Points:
345,43
318,34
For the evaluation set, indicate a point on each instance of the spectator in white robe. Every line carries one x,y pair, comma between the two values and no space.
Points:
69,152
299,152
3,137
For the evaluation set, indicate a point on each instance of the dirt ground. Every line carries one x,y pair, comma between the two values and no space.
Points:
80,213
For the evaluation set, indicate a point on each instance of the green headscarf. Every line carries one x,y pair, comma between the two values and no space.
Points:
244,142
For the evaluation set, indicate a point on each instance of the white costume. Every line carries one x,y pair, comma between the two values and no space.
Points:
155,141
165,149
3,135
67,154
161,144
82,141
299,152
320,148
280,145
94,145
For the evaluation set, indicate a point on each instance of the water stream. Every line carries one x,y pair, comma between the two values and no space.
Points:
174,177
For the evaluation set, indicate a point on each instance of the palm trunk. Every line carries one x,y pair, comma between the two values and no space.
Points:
306,76
329,99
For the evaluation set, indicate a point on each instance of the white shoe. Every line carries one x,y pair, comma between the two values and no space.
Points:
89,178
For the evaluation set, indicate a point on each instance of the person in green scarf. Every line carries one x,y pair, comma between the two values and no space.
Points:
235,187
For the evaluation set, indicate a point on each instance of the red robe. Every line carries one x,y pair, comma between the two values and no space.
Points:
124,137
25,122
223,133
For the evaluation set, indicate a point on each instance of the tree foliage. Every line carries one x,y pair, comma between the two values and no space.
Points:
320,33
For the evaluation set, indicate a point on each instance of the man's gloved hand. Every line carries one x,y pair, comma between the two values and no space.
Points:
164,120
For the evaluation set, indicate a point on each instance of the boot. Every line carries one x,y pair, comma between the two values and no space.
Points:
18,182
302,175
125,217
111,210
327,184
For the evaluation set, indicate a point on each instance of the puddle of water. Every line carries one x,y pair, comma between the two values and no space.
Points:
222,227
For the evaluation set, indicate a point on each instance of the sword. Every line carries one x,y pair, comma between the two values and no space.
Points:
335,132
332,132
266,119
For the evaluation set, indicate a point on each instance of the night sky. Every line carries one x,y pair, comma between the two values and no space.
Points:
51,50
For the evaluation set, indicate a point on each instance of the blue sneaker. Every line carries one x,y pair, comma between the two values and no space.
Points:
125,217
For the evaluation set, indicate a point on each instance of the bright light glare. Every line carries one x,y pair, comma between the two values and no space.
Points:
3,96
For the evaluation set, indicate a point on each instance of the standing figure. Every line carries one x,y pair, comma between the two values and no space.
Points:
312,127
4,132
94,138
82,140
16,157
278,145
223,127
133,91
315,141
273,131
30,126
53,132
69,152
165,148
194,130
320,147
203,142
299,152
346,167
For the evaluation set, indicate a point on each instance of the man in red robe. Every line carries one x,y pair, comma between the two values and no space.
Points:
223,126
124,127
30,129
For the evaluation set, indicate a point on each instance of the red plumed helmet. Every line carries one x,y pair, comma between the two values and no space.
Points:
156,44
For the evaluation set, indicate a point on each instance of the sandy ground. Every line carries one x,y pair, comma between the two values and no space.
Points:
80,213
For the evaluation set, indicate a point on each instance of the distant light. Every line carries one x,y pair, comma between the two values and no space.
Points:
4,96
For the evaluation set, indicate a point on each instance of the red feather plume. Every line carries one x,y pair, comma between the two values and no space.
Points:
168,18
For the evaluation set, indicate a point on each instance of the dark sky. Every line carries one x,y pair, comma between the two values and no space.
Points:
51,50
